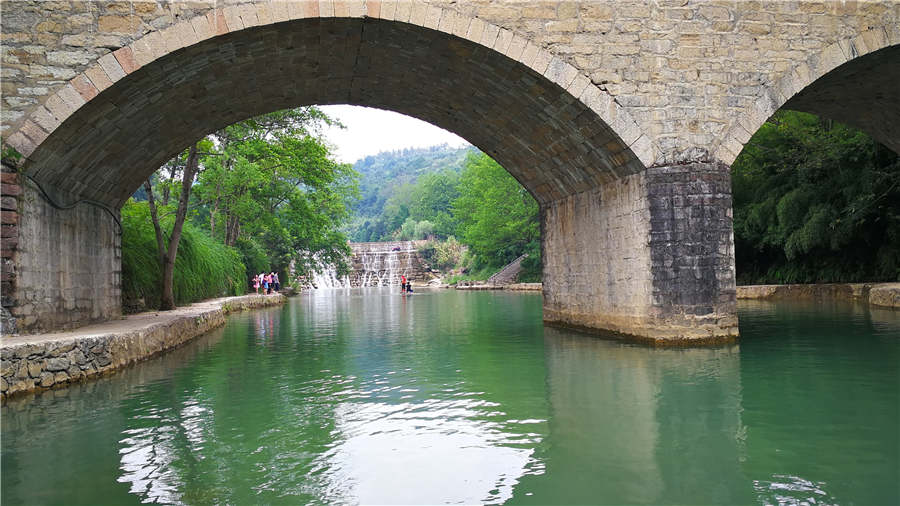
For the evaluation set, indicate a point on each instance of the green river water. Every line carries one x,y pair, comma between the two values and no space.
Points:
374,397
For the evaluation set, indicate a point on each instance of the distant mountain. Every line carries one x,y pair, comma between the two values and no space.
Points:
382,174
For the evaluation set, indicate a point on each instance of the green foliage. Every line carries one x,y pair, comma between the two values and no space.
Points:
9,153
408,230
204,268
815,201
431,200
443,255
418,183
423,229
498,219
270,188
253,255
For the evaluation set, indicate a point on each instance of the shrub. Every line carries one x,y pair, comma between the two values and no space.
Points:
204,267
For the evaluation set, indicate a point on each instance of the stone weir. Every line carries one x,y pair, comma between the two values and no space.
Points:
382,263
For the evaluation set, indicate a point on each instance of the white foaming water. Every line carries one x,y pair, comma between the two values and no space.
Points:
376,264
329,280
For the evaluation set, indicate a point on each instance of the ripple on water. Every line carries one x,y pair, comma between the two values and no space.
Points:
367,397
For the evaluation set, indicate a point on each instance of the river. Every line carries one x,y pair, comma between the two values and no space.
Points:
370,396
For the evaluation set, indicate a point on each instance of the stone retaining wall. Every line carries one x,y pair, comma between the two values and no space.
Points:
10,193
43,361
68,262
881,294
525,287
516,287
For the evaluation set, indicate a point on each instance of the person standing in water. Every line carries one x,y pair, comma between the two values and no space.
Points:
402,282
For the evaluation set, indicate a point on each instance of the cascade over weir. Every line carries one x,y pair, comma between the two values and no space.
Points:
378,264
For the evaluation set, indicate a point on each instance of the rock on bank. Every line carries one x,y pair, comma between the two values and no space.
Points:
40,361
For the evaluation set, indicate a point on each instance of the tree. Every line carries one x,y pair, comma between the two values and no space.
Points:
432,200
169,249
498,219
815,201
272,186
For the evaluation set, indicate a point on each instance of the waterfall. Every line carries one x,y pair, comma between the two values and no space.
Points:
379,268
391,275
325,277
328,279
372,265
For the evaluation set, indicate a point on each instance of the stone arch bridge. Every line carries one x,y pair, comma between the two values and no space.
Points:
621,117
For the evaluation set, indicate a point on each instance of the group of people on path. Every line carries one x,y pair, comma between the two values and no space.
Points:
405,285
267,281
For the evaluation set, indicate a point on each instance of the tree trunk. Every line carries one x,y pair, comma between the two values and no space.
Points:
167,255
232,230
212,216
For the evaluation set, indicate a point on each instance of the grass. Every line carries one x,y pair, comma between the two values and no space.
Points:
204,267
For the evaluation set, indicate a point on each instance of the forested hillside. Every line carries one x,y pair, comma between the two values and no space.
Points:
478,217
388,175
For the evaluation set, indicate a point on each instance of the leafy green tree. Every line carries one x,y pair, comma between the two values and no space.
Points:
407,230
167,244
498,219
204,266
423,229
431,200
815,201
271,185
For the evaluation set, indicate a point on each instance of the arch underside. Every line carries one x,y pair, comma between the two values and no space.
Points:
547,139
862,92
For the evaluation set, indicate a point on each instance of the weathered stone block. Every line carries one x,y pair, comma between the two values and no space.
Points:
57,364
47,379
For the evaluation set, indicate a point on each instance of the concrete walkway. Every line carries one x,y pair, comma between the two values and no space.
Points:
38,361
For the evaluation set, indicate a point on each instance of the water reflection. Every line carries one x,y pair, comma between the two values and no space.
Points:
374,397
821,382
451,449
643,423
416,412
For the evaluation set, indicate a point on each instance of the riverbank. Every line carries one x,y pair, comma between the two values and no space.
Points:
520,287
42,361
876,294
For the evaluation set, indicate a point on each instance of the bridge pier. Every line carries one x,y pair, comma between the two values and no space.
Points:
68,263
649,256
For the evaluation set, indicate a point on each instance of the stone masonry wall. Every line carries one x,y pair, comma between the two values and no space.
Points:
10,191
876,294
692,249
596,260
687,72
375,262
31,363
69,265
649,256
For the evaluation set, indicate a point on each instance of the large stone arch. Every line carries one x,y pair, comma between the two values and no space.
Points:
870,63
631,244
540,117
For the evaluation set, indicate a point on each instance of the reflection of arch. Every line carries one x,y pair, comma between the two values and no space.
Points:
106,130
869,62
